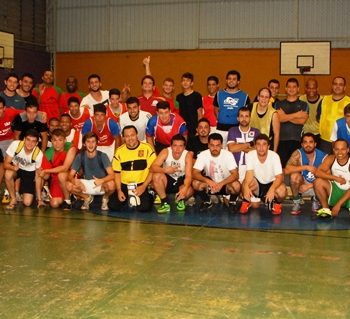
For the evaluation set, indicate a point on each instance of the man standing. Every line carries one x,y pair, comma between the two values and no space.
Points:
208,101
172,174
240,140
26,84
163,126
106,129
48,95
131,165
199,142
227,102
302,166
96,95
332,185
312,98
78,114
12,99
190,103
22,160
293,114
220,172
115,107
97,177
330,109
341,128
136,117
264,177
72,91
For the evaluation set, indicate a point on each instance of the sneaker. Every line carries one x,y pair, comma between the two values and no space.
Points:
45,194
87,202
66,206
214,199
6,198
180,205
206,205
104,205
244,207
164,208
191,201
157,200
324,212
276,208
19,197
296,209
315,205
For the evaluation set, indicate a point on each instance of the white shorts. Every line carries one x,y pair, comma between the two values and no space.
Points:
109,150
91,188
241,171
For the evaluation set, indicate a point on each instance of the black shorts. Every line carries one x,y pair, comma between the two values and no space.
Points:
27,183
173,185
263,189
1,157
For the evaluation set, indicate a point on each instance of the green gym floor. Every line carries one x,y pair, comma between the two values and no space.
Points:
84,265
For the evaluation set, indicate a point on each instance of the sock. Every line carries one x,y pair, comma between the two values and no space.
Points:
68,201
163,200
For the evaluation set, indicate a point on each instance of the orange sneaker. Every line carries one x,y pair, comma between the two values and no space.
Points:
277,209
244,207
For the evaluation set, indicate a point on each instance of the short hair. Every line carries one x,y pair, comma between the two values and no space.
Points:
178,137
27,75
339,77
243,109
203,119
52,119
30,106
265,88
262,137
292,80
215,137
341,140
308,134
233,72
33,133
2,101
213,78
113,92
92,76
65,115
347,109
100,107
133,99
73,99
89,135
58,132
273,81
169,80
11,75
163,105
188,75
150,77
128,127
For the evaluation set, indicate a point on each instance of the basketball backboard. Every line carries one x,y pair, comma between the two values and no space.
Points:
305,58
6,50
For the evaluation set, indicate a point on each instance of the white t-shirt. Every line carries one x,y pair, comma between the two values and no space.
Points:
90,101
264,172
24,160
140,123
217,168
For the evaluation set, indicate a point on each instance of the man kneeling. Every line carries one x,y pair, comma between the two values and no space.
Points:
172,174
264,177
97,174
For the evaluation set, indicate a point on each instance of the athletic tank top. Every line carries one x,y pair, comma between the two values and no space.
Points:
319,156
180,163
342,171
262,121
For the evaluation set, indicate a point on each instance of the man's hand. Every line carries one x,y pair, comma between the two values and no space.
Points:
171,169
97,181
181,194
146,61
139,190
121,195
270,195
341,180
335,210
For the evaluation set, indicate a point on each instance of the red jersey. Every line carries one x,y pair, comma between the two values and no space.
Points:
63,102
77,123
149,104
114,116
105,137
48,99
208,108
5,123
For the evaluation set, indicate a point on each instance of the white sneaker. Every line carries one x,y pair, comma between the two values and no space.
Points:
87,202
104,205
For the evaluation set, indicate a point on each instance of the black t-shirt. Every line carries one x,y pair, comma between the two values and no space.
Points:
188,106
31,100
23,126
196,146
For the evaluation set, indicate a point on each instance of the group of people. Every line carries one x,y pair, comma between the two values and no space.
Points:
60,147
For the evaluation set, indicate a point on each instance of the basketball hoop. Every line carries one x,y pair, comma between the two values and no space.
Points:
304,69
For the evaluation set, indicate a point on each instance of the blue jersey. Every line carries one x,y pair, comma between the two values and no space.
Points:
342,131
308,176
229,104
